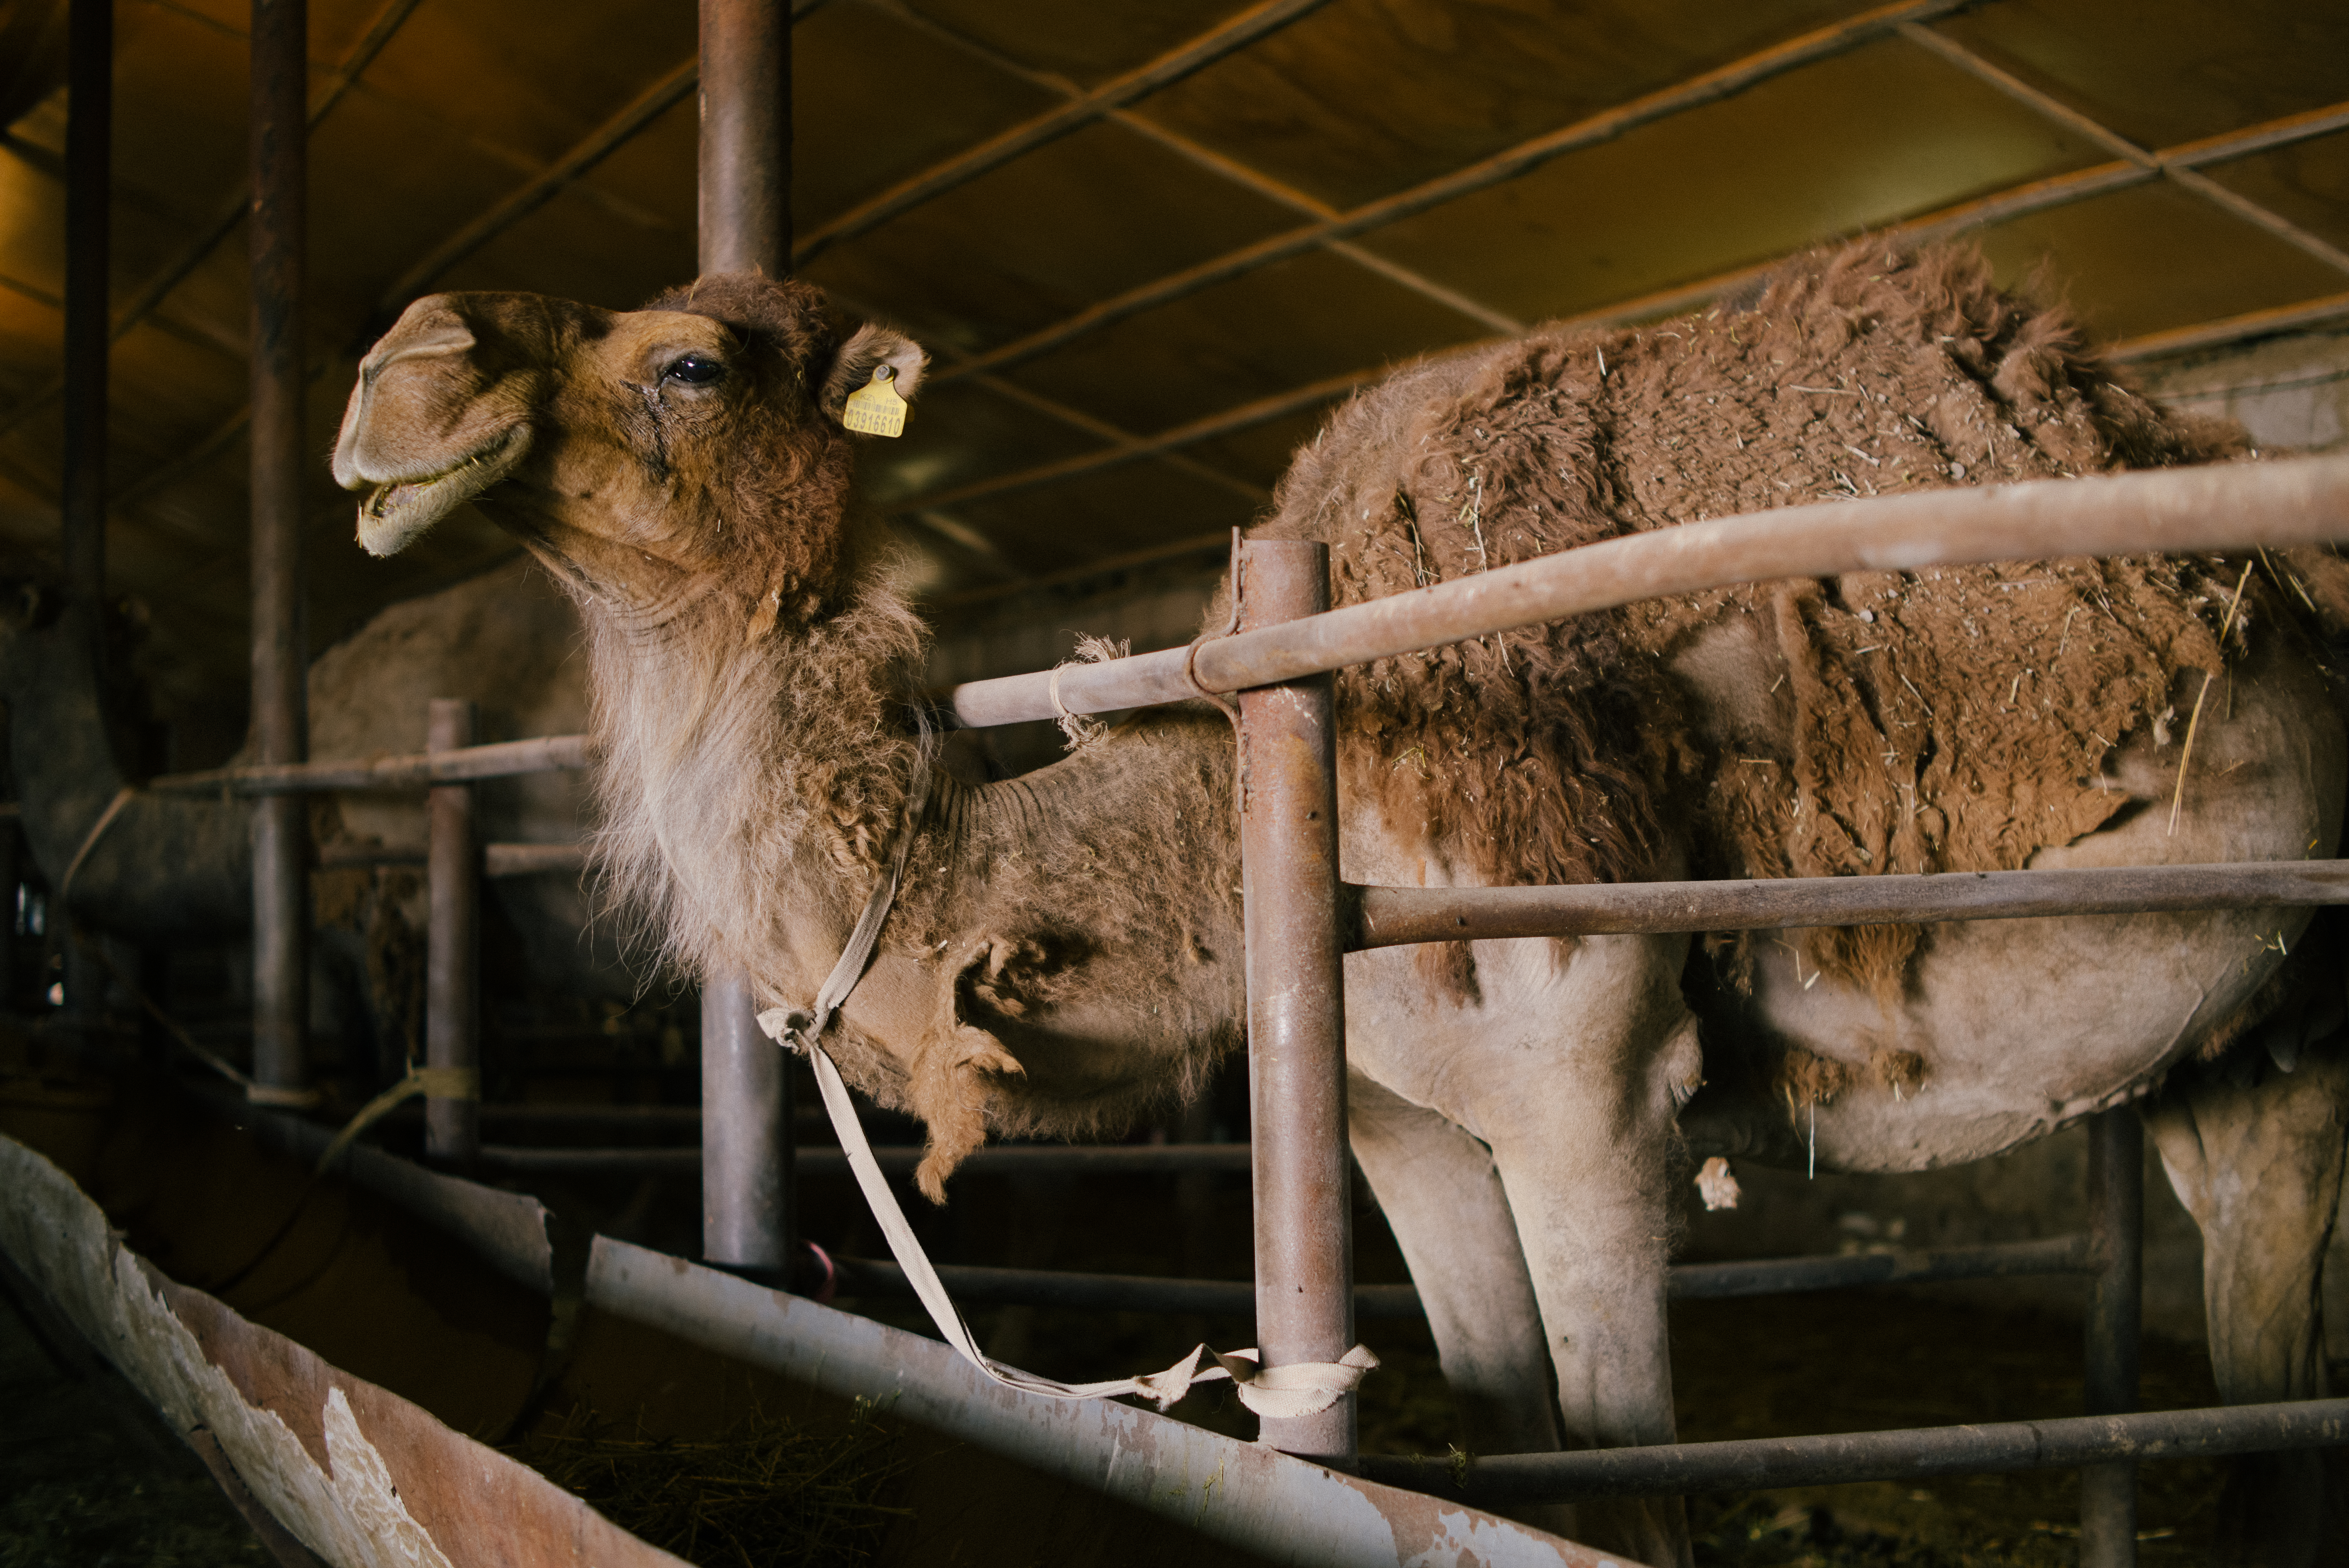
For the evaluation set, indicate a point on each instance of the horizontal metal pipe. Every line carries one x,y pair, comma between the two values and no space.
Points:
507,759
684,1118
507,1230
497,860
1791,1276
1390,916
1394,916
1758,1463
2301,501
1244,1495
1141,1159
532,860
1102,1293
1686,1281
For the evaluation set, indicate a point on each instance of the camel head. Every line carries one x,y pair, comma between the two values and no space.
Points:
640,453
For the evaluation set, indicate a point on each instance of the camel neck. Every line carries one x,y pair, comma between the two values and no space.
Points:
752,785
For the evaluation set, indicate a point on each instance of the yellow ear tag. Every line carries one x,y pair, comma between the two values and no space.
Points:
874,408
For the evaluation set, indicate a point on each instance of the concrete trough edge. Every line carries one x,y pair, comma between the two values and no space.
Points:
1242,1495
393,1487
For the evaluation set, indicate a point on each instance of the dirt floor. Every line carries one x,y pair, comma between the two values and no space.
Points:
89,1478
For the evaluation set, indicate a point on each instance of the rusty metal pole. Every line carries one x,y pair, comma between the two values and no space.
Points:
89,115
747,1191
746,137
280,131
2115,1303
452,962
89,161
748,1209
1297,1004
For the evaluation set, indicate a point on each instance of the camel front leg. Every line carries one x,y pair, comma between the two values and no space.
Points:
1586,1166
1443,1199
2258,1163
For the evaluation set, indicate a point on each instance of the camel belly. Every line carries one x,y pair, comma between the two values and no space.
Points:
2009,1029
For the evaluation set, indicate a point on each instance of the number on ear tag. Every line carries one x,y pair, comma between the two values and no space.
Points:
874,408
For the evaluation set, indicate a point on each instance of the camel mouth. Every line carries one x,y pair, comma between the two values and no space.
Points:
398,512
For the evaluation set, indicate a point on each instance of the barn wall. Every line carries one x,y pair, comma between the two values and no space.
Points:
2290,392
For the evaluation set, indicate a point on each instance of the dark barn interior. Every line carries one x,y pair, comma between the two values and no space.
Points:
1149,250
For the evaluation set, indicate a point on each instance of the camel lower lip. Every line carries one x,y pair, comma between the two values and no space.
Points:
398,512
385,496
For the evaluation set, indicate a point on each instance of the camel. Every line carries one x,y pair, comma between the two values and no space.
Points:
177,867
1067,947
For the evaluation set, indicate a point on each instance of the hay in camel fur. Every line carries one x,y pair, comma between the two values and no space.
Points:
1067,948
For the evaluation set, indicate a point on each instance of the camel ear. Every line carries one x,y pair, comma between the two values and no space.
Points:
872,346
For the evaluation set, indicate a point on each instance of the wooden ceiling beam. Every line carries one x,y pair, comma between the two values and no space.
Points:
2037,196
1265,17
591,150
1225,167
550,182
1163,444
1075,419
2233,329
2176,170
1710,87
231,211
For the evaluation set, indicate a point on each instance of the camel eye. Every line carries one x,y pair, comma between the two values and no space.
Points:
694,370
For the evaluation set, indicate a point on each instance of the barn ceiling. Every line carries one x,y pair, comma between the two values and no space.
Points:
1146,242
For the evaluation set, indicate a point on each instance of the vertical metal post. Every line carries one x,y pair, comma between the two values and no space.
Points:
89,116
746,137
748,1213
747,1193
1297,1004
89,158
12,876
452,964
280,131
2115,1304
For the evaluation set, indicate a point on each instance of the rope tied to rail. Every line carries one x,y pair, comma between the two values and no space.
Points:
434,1083
1294,1389
122,797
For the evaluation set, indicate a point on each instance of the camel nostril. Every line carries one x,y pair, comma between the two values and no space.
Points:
440,339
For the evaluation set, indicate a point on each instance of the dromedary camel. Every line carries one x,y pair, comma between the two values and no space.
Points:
179,868
1067,943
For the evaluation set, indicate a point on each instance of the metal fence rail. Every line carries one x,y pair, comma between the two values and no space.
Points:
2302,501
1683,1282
505,760
1758,1463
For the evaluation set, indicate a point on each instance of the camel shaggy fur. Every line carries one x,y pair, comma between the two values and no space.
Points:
1067,947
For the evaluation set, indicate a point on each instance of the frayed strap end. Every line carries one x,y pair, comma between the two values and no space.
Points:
1165,1388
1300,1387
